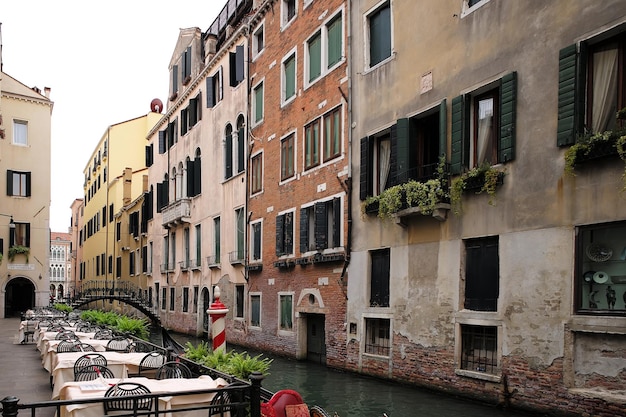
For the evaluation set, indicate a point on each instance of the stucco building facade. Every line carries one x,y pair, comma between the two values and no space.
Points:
25,120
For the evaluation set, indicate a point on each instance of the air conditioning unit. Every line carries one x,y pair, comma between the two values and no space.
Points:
125,247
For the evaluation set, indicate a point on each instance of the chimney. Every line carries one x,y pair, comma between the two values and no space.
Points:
46,92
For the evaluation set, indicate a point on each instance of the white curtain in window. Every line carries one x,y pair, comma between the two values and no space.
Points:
484,140
384,160
20,133
604,90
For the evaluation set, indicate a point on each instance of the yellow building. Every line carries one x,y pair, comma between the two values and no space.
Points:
25,120
114,180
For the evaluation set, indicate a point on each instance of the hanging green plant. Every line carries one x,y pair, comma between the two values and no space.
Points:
484,178
1,259
423,195
18,250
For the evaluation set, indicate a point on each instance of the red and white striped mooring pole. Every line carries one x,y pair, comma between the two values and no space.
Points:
217,311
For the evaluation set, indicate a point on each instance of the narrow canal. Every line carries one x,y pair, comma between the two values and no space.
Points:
351,395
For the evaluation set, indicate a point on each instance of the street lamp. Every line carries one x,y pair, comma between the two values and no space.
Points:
11,222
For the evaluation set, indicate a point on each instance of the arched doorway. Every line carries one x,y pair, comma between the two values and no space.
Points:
19,296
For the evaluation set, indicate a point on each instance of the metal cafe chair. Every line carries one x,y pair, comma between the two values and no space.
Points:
91,372
89,359
150,363
115,398
173,369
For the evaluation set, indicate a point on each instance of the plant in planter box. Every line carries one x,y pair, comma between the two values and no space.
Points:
484,178
18,250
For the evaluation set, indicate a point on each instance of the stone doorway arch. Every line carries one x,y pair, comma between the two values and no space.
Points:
19,296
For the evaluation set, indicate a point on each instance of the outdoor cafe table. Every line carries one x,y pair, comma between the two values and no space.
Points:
119,363
48,355
94,389
43,338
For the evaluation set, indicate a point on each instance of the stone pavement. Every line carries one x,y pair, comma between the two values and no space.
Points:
21,372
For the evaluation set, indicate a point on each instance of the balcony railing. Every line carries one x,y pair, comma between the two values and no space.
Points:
177,212
167,268
195,263
213,261
237,257
184,265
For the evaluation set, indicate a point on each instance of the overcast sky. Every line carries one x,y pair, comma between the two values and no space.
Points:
104,63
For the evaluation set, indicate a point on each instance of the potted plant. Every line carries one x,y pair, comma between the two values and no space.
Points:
483,178
425,195
18,250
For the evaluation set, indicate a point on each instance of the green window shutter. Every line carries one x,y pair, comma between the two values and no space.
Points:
567,96
365,176
443,119
403,162
228,156
508,100
9,182
380,35
458,134
258,103
290,77
304,230
315,57
334,41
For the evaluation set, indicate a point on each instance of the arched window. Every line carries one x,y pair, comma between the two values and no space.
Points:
241,143
228,151
180,180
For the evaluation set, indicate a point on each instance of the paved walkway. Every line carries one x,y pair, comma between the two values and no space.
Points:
21,372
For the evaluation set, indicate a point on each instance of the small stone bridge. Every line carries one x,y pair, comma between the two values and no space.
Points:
123,291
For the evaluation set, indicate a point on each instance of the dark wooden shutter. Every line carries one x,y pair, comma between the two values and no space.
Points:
402,151
566,125
174,79
288,227
149,158
239,63
184,118
197,176
144,259
392,178
458,135
508,104
193,112
210,94
443,128
228,155
187,62
159,197
199,106
9,182
304,230
161,141
337,221
28,184
241,150
232,68
280,244
321,226
190,178
150,206
379,280
166,193
482,275
365,175
27,239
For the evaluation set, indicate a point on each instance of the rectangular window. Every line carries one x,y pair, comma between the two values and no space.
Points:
258,41
118,267
258,103
185,299
198,261
255,241
172,262
601,269
255,310
287,153
166,254
286,312
216,239
257,173
172,298
196,292
479,348
312,144
320,225
591,79
18,183
482,274
379,278
332,134
289,78
379,26
288,11
284,234
214,88
150,252
20,235
186,249
240,234
20,132
483,125
131,263
164,299
378,336
239,297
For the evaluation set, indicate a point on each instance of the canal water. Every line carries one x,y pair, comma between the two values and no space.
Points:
345,394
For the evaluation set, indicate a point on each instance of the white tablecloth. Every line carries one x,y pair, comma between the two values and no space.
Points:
48,355
73,391
43,338
119,363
